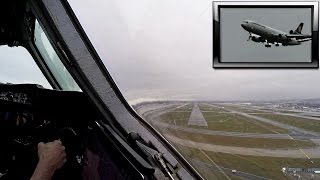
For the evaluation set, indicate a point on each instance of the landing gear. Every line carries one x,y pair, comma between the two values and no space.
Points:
250,37
277,44
267,45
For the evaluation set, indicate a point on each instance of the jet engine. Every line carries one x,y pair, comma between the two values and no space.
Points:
293,41
291,31
257,39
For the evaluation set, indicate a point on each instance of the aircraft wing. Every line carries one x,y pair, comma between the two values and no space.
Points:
304,40
298,36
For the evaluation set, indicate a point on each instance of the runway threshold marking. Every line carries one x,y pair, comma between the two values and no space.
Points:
304,153
205,154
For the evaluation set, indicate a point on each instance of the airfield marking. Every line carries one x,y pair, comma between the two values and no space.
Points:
290,136
304,153
205,154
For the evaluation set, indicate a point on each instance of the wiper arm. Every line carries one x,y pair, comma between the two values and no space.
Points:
153,155
124,148
141,152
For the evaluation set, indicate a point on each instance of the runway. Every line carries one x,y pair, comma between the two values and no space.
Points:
196,118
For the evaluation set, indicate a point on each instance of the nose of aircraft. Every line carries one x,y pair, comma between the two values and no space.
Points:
243,25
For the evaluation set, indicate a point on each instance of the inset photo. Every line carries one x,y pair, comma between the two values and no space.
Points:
265,34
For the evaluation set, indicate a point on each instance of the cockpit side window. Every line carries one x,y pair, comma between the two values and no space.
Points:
18,67
52,60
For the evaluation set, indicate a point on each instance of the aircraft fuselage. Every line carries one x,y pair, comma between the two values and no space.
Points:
270,34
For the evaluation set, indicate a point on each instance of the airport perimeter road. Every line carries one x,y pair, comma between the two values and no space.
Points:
294,130
290,153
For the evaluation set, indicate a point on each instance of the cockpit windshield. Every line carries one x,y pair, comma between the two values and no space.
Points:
228,123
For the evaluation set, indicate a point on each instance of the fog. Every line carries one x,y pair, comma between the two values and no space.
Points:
162,50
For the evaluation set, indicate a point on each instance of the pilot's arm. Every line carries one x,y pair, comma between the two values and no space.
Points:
51,157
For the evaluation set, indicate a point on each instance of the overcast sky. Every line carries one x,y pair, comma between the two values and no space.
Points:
163,50
18,66
234,37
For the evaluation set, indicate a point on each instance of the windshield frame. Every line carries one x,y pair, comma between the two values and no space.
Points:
105,95
50,14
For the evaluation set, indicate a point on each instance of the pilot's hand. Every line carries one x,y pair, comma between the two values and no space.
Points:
52,156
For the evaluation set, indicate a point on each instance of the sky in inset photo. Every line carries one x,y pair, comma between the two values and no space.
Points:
233,38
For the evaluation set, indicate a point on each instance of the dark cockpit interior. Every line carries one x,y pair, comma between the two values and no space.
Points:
31,114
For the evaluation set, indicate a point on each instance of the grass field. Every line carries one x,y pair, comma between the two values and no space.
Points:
187,107
243,109
207,173
237,123
307,124
177,118
289,112
262,166
270,127
223,122
220,119
204,107
264,143
269,167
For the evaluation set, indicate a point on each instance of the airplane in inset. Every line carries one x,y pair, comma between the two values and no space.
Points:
263,34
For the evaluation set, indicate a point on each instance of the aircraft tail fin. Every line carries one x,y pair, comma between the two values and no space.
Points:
299,29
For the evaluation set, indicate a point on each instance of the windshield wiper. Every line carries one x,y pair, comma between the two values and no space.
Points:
153,155
125,149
